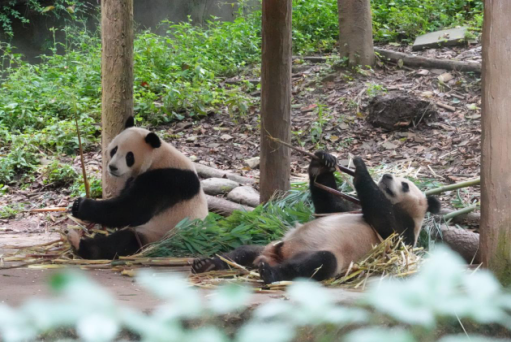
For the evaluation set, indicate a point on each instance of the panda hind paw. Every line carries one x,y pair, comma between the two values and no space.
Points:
203,265
269,274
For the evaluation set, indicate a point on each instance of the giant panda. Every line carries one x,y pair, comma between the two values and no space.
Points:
161,189
324,247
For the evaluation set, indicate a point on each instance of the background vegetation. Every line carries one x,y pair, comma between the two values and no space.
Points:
176,75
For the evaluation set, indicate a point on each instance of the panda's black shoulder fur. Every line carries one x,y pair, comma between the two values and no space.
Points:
142,198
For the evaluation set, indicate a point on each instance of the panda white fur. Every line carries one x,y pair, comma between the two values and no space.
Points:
324,247
161,189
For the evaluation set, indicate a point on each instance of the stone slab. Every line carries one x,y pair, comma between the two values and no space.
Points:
451,37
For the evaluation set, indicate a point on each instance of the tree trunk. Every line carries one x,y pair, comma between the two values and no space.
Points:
275,96
117,77
356,31
495,242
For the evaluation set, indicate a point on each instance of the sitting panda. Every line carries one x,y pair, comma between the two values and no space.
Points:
161,189
324,247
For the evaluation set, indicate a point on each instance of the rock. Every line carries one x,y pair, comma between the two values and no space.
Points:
217,186
244,195
395,111
252,163
445,77
329,78
389,146
451,37
437,71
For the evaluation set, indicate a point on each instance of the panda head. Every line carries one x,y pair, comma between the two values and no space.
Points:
131,152
408,196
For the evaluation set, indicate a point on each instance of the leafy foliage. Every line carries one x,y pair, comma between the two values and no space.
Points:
176,75
58,174
443,298
406,19
217,234
78,187
10,10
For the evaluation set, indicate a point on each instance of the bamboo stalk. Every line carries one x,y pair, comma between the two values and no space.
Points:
84,173
456,186
338,193
313,156
44,210
465,210
238,266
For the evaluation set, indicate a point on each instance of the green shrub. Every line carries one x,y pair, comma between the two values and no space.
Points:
59,175
95,187
176,75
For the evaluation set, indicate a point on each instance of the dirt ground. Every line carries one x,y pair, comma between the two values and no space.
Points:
329,108
19,284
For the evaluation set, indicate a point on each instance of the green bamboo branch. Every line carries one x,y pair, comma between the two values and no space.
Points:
456,186
462,211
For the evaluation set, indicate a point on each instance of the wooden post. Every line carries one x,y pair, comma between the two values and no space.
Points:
275,96
356,31
495,242
117,77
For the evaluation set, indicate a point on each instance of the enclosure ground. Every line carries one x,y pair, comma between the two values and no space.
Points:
329,108
19,284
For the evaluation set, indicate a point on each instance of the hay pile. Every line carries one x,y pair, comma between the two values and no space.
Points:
391,258
58,254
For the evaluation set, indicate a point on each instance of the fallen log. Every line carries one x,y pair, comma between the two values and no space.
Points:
224,207
210,172
431,63
462,241
312,59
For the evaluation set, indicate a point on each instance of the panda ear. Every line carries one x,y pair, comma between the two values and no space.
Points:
433,204
129,123
153,140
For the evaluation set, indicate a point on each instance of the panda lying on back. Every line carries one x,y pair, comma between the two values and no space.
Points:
161,189
324,247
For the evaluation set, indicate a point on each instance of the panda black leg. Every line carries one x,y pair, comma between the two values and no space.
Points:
243,255
121,243
321,171
314,265
377,209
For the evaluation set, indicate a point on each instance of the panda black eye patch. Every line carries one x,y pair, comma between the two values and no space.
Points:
112,151
405,186
130,159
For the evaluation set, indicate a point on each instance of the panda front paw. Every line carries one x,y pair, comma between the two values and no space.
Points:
75,209
326,159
